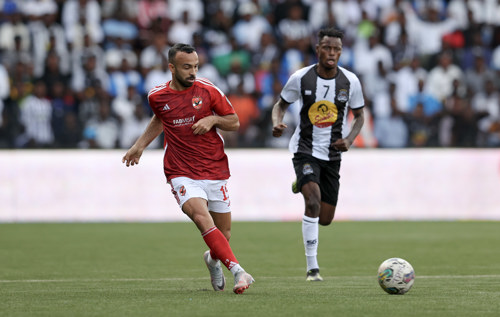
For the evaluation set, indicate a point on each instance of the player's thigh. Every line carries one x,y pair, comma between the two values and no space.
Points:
184,188
330,182
306,169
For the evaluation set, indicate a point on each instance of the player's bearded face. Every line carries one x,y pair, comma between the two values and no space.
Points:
329,50
185,68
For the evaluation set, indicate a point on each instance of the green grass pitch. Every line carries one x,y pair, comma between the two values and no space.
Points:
157,269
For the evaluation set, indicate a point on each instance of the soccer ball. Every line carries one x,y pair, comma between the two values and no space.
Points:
396,276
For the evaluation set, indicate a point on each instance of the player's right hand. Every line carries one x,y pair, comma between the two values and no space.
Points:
132,157
278,130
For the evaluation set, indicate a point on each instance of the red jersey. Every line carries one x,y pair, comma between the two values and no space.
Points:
187,154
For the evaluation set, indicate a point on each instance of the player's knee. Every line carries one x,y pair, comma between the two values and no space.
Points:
312,208
325,222
227,234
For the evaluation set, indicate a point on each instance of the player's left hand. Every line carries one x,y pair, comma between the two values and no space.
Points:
203,125
341,145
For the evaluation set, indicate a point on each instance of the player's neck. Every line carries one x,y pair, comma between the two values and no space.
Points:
175,85
327,73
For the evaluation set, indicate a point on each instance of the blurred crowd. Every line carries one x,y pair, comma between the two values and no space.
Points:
76,73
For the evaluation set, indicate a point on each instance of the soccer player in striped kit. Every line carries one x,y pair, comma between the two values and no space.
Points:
188,110
325,92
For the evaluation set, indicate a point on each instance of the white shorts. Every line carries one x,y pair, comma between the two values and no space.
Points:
213,191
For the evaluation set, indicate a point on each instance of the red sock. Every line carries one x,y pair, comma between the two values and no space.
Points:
219,246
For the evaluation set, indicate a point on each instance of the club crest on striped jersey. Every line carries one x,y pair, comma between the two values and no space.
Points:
323,113
342,95
197,102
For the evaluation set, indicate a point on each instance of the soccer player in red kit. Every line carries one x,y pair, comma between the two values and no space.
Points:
188,110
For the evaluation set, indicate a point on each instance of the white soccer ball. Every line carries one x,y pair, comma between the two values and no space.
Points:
396,276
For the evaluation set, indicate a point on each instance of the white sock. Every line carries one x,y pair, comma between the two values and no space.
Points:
235,269
310,237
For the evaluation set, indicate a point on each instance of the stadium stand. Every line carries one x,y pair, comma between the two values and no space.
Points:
69,69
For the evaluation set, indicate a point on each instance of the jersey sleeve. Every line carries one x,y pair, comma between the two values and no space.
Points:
291,90
220,104
356,99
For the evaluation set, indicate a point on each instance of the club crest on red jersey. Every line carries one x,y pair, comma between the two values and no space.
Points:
197,102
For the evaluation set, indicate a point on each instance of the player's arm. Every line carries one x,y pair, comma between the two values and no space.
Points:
277,115
357,123
229,122
152,131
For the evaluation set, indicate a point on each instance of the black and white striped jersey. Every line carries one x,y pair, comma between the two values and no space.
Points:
323,109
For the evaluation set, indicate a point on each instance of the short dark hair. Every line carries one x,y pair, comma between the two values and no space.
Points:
330,32
179,47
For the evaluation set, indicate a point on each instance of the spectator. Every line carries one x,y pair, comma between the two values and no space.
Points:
267,51
373,62
430,105
208,70
247,110
123,106
151,13
294,31
133,126
80,17
102,131
237,76
441,77
476,48
390,129
248,30
119,20
48,35
476,77
124,76
487,104
347,15
176,9
36,115
71,137
427,33
10,116
464,122
11,57
152,55
236,54
91,77
407,81
424,114
52,73
158,75
4,93
13,29
63,104
182,30
495,62
267,81
88,48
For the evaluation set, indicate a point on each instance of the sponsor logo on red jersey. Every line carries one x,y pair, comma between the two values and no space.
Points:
183,121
